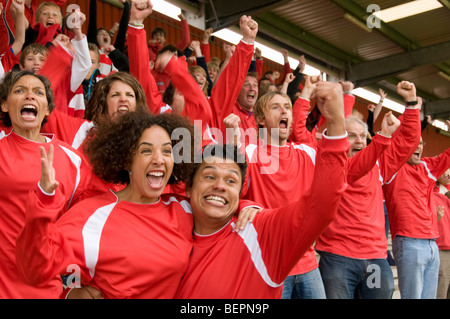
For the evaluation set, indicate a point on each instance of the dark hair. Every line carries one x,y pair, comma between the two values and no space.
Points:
225,151
7,84
97,105
159,30
112,145
171,48
168,94
107,31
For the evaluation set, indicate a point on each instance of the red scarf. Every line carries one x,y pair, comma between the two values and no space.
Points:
46,34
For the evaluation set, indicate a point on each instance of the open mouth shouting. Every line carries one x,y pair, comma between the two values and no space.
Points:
284,125
155,179
416,155
28,112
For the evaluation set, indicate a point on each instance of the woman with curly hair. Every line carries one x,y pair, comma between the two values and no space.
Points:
134,243
26,101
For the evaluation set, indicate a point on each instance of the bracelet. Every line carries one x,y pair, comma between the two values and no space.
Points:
381,101
411,103
136,25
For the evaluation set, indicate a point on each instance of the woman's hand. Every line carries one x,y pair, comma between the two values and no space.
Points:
48,181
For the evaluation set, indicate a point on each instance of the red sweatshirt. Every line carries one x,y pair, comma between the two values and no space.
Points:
271,170
408,197
359,228
254,262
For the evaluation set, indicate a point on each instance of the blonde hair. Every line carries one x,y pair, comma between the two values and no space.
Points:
263,103
195,68
40,8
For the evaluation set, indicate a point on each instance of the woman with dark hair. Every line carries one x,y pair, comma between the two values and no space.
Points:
26,101
113,96
134,243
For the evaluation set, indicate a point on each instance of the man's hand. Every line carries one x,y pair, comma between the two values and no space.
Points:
330,100
258,53
407,90
301,63
207,35
140,9
389,124
310,86
347,87
249,29
232,122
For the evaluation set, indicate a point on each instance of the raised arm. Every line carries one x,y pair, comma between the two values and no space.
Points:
81,63
17,10
185,35
361,163
119,44
289,231
139,56
406,139
42,251
228,86
300,110
196,104
379,106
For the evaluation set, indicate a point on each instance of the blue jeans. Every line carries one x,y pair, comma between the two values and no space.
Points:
305,286
350,278
417,263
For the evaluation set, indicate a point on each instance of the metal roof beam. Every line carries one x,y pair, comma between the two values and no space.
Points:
361,14
221,14
439,108
290,35
370,71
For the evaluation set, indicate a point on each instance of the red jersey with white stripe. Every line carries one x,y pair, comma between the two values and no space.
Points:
20,172
408,197
106,66
359,228
66,74
254,262
124,249
270,175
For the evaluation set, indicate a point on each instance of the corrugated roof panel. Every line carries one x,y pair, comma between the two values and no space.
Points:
325,20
